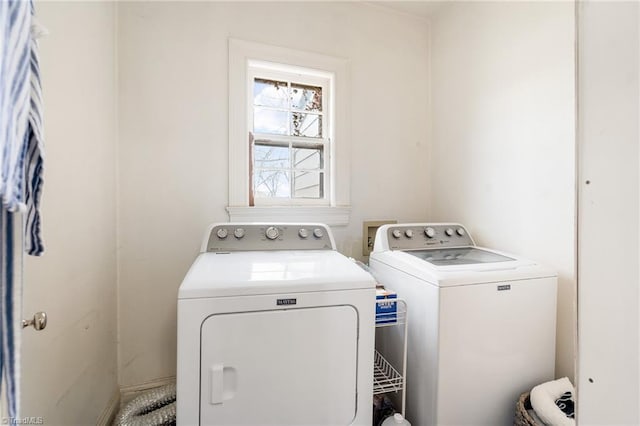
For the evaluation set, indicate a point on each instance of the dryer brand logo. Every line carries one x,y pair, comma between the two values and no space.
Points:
504,287
286,302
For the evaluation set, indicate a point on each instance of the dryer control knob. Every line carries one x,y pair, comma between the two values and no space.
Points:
460,231
318,233
408,233
396,233
222,233
238,233
448,232
430,232
303,233
272,233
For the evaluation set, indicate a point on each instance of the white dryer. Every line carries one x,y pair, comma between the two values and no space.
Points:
275,327
481,323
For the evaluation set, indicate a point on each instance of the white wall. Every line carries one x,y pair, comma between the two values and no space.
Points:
608,93
503,152
69,369
173,139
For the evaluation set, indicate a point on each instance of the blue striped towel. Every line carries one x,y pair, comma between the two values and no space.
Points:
15,99
21,124
15,21
11,315
33,151
21,157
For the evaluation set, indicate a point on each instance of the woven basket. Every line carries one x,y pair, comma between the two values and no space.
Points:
522,416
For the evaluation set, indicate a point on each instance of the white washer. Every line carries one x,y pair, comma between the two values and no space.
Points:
481,323
275,327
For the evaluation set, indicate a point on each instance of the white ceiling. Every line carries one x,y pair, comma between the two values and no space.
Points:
419,8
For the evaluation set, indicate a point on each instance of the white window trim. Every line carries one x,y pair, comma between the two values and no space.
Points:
333,216
270,71
240,53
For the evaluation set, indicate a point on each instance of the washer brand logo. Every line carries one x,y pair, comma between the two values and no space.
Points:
504,287
285,302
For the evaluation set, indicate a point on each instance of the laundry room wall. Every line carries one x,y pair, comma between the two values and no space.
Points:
173,152
503,136
69,369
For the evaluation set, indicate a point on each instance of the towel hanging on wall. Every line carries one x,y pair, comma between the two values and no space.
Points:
21,122
11,315
21,159
14,98
33,149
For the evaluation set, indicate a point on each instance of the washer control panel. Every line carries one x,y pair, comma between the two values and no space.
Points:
419,236
228,237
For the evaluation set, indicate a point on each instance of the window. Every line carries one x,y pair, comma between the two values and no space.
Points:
288,135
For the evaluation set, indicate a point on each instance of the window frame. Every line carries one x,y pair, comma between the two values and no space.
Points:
337,210
295,74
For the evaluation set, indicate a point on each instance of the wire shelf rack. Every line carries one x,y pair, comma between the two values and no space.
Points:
385,377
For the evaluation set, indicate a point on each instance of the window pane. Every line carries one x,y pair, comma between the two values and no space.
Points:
270,93
271,183
308,185
270,121
306,98
309,125
308,158
268,156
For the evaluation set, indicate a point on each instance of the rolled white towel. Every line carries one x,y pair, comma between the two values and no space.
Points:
543,400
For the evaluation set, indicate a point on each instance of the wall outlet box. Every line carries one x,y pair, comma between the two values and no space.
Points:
369,229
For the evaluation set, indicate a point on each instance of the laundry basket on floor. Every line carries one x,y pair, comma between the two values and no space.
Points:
523,418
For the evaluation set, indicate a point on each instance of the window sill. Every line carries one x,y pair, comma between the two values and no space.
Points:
332,216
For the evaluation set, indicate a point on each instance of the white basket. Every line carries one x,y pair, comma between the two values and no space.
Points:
385,377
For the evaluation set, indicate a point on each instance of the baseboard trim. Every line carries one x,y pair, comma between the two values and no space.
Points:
109,414
127,393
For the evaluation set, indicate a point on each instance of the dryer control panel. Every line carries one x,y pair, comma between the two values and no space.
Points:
414,236
228,237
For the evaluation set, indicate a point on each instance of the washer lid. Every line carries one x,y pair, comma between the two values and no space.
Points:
459,256
271,272
481,266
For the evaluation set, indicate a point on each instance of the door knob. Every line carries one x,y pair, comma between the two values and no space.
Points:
39,321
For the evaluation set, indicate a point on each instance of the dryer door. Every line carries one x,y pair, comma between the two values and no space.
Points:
284,367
